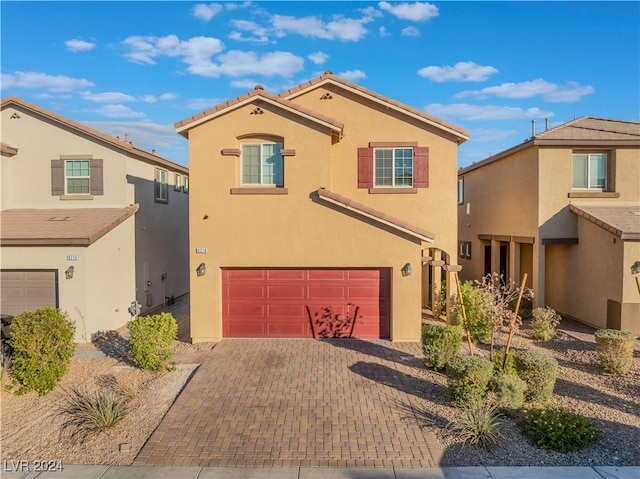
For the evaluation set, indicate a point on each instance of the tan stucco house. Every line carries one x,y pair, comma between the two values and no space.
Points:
563,207
90,223
314,207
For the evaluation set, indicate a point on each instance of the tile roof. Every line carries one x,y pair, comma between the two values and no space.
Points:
126,147
58,226
256,94
622,220
376,215
328,77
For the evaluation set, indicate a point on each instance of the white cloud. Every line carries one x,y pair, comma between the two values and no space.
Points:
206,12
410,32
570,91
201,104
38,80
461,71
491,134
238,63
416,12
118,111
108,97
79,46
318,57
353,75
345,29
193,51
464,111
257,33
383,31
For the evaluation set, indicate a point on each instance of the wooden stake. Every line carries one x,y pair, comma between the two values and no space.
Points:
464,315
514,320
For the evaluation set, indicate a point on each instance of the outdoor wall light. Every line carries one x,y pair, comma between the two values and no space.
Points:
69,272
406,270
201,270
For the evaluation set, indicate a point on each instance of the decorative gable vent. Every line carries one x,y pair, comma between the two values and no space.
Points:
258,111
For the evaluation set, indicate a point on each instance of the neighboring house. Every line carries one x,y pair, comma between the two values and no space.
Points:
563,207
305,208
89,223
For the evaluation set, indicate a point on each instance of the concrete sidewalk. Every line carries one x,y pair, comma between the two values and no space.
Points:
19,470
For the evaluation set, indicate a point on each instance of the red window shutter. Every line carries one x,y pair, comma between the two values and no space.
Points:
421,167
57,177
96,180
365,167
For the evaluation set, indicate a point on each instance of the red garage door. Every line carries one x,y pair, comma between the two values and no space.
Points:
305,303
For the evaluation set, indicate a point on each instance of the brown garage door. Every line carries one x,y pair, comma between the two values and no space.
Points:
25,290
305,303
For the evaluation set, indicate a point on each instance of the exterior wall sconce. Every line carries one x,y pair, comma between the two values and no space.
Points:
201,270
69,272
406,270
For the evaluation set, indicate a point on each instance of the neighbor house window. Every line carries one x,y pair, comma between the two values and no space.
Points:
393,167
262,164
177,184
161,187
460,191
185,185
590,171
77,177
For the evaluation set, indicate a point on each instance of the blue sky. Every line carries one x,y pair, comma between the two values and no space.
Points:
489,67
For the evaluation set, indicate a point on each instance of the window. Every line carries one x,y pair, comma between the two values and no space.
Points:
161,187
262,164
77,177
177,184
393,167
185,185
460,191
590,171
464,249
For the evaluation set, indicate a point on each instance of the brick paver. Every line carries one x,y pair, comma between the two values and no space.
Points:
297,403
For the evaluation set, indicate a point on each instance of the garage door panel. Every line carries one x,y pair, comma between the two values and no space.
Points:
27,290
282,297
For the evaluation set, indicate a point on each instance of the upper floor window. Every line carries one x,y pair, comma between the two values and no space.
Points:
590,171
262,164
161,186
177,183
460,191
393,167
185,185
77,177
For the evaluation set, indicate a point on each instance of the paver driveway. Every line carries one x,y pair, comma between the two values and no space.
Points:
271,402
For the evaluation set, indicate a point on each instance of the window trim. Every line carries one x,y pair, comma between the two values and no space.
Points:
607,172
161,186
67,193
393,150
277,151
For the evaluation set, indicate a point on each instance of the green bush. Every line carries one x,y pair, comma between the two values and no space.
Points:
479,425
150,342
538,370
509,391
43,345
544,323
91,413
478,309
615,350
558,429
468,379
498,358
439,344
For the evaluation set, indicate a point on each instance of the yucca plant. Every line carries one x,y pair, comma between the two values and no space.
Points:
87,413
479,425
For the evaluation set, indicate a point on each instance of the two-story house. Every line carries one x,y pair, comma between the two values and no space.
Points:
563,207
313,211
90,223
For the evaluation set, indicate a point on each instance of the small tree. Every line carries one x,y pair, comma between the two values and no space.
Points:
151,337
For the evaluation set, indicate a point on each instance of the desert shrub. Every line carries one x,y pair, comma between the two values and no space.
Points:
150,342
544,323
498,358
538,370
468,379
87,413
615,350
509,391
479,425
557,429
440,343
43,345
478,309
